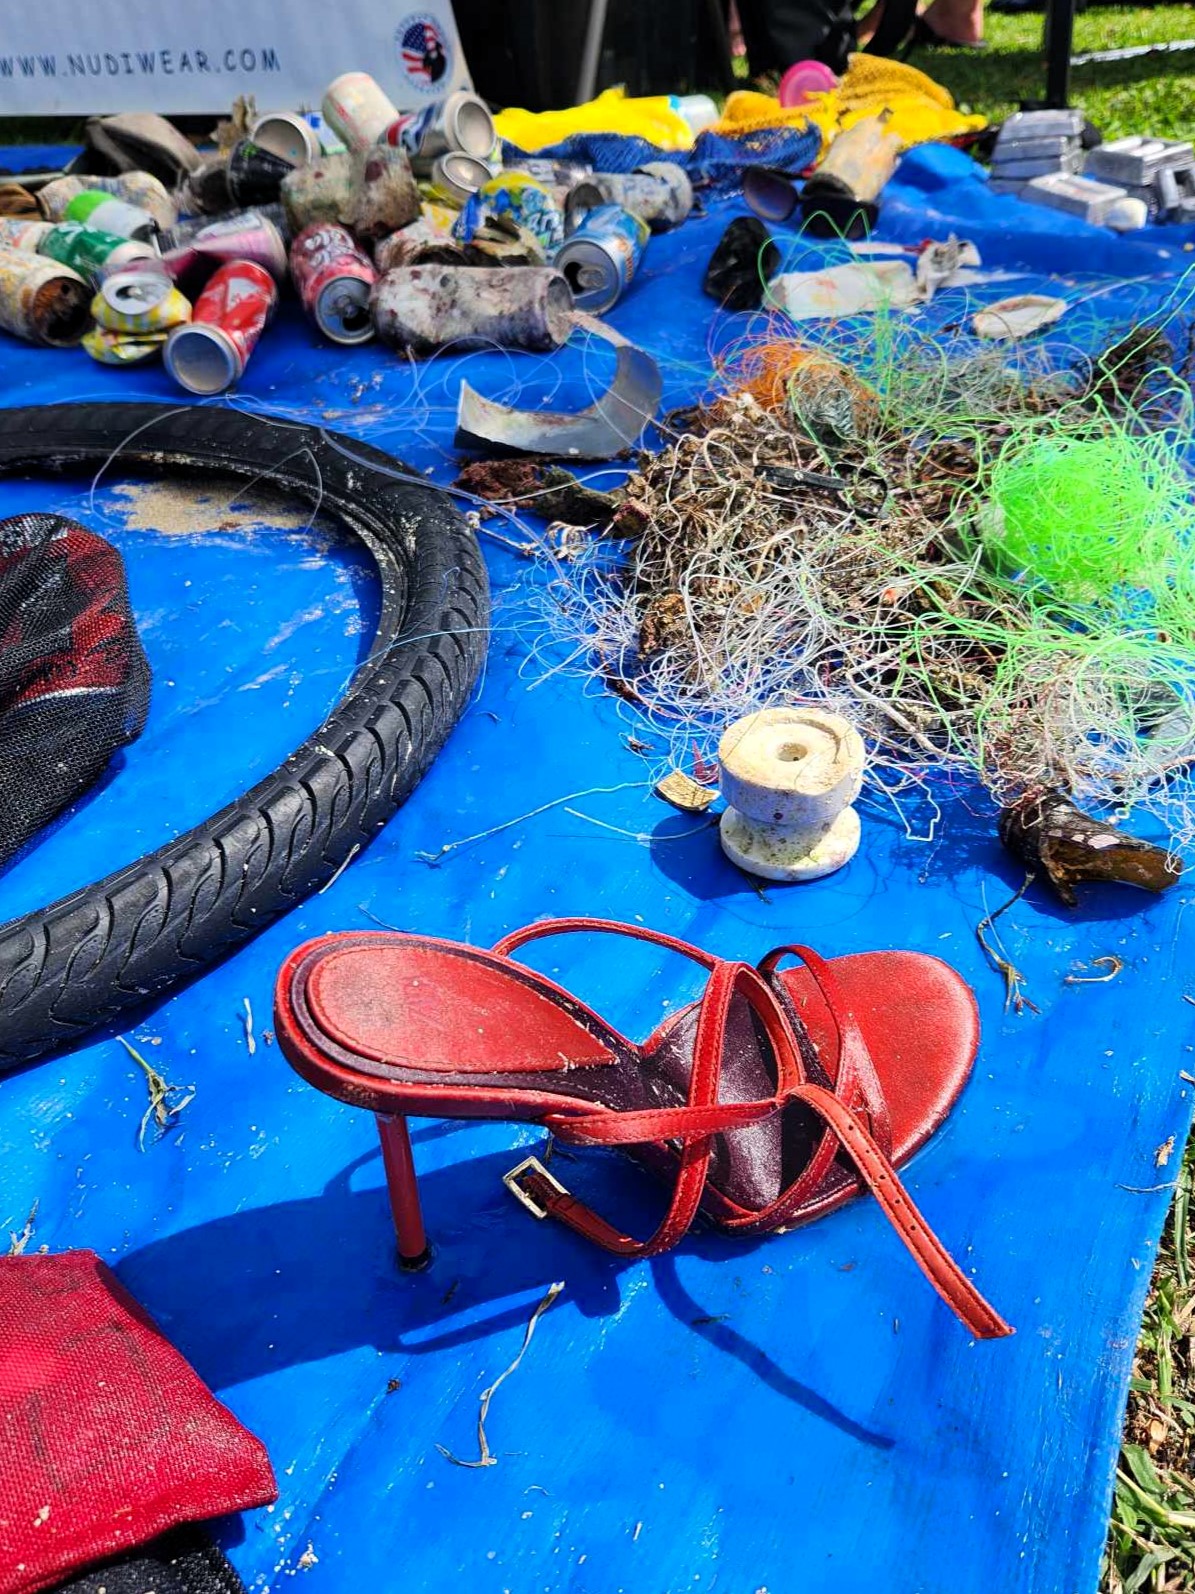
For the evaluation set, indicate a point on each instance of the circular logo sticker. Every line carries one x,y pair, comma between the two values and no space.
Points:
424,53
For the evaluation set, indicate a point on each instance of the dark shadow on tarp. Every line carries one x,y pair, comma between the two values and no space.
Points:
294,1283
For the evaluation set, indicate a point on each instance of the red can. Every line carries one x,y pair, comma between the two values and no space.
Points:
334,280
211,352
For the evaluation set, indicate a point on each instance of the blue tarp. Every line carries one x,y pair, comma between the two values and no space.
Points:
771,1416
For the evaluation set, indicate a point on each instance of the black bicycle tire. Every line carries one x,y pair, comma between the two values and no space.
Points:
124,940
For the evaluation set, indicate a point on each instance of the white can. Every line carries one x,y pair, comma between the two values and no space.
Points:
288,136
358,110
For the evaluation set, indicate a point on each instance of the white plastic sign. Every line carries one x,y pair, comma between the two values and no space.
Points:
76,57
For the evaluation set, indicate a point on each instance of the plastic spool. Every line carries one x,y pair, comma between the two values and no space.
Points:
789,777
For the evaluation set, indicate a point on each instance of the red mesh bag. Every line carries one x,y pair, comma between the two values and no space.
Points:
107,1436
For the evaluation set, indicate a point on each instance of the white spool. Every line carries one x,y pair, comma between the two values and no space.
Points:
789,777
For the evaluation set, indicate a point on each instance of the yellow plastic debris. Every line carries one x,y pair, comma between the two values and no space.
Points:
652,118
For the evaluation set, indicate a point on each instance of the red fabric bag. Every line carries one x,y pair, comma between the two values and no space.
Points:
107,1436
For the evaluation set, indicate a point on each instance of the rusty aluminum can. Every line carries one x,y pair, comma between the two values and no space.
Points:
601,256
334,278
422,309
287,135
460,122
326,190
660,193
16,233
455,177
41,300
358,110
255,174
557,174
387,197
227,319
420,244
90,251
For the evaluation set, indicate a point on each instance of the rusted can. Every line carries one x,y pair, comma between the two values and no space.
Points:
454,177
601,256
90,251
420,244
460,122
387,197
660,193
135,188
325,190
227,320
358,110
334,278
422,309
255,174
41,300
16,233
288,135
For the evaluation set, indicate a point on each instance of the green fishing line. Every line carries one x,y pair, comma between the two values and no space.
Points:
1090,515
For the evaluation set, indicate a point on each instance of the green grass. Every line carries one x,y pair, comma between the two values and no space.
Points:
1151,1541
1151,94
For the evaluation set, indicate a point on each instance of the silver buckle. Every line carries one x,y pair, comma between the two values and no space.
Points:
511,1181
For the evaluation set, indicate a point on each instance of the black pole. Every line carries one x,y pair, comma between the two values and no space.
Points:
1057,41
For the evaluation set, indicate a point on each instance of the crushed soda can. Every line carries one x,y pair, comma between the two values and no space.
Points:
42,301
227,320
287,135
334,279
136,291
387,197
123,348
601,256
524,200
423,309
246,235
90,251
459,122
133,315
255,174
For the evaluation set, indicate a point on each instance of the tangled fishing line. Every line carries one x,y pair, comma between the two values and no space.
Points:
986,565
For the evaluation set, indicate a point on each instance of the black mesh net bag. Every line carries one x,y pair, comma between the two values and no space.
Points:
74,679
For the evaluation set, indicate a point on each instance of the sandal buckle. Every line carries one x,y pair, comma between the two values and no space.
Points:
511,1181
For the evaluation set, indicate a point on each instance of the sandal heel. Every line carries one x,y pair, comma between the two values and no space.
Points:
414,1252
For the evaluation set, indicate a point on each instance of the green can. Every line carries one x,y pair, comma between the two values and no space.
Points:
93,254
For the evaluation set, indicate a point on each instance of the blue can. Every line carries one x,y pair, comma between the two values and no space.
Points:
600,257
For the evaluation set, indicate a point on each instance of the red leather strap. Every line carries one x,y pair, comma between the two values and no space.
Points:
694,1124
927,1250
856,1083
856,1092
637,932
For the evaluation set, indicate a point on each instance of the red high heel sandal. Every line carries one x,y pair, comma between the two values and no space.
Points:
771,1100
